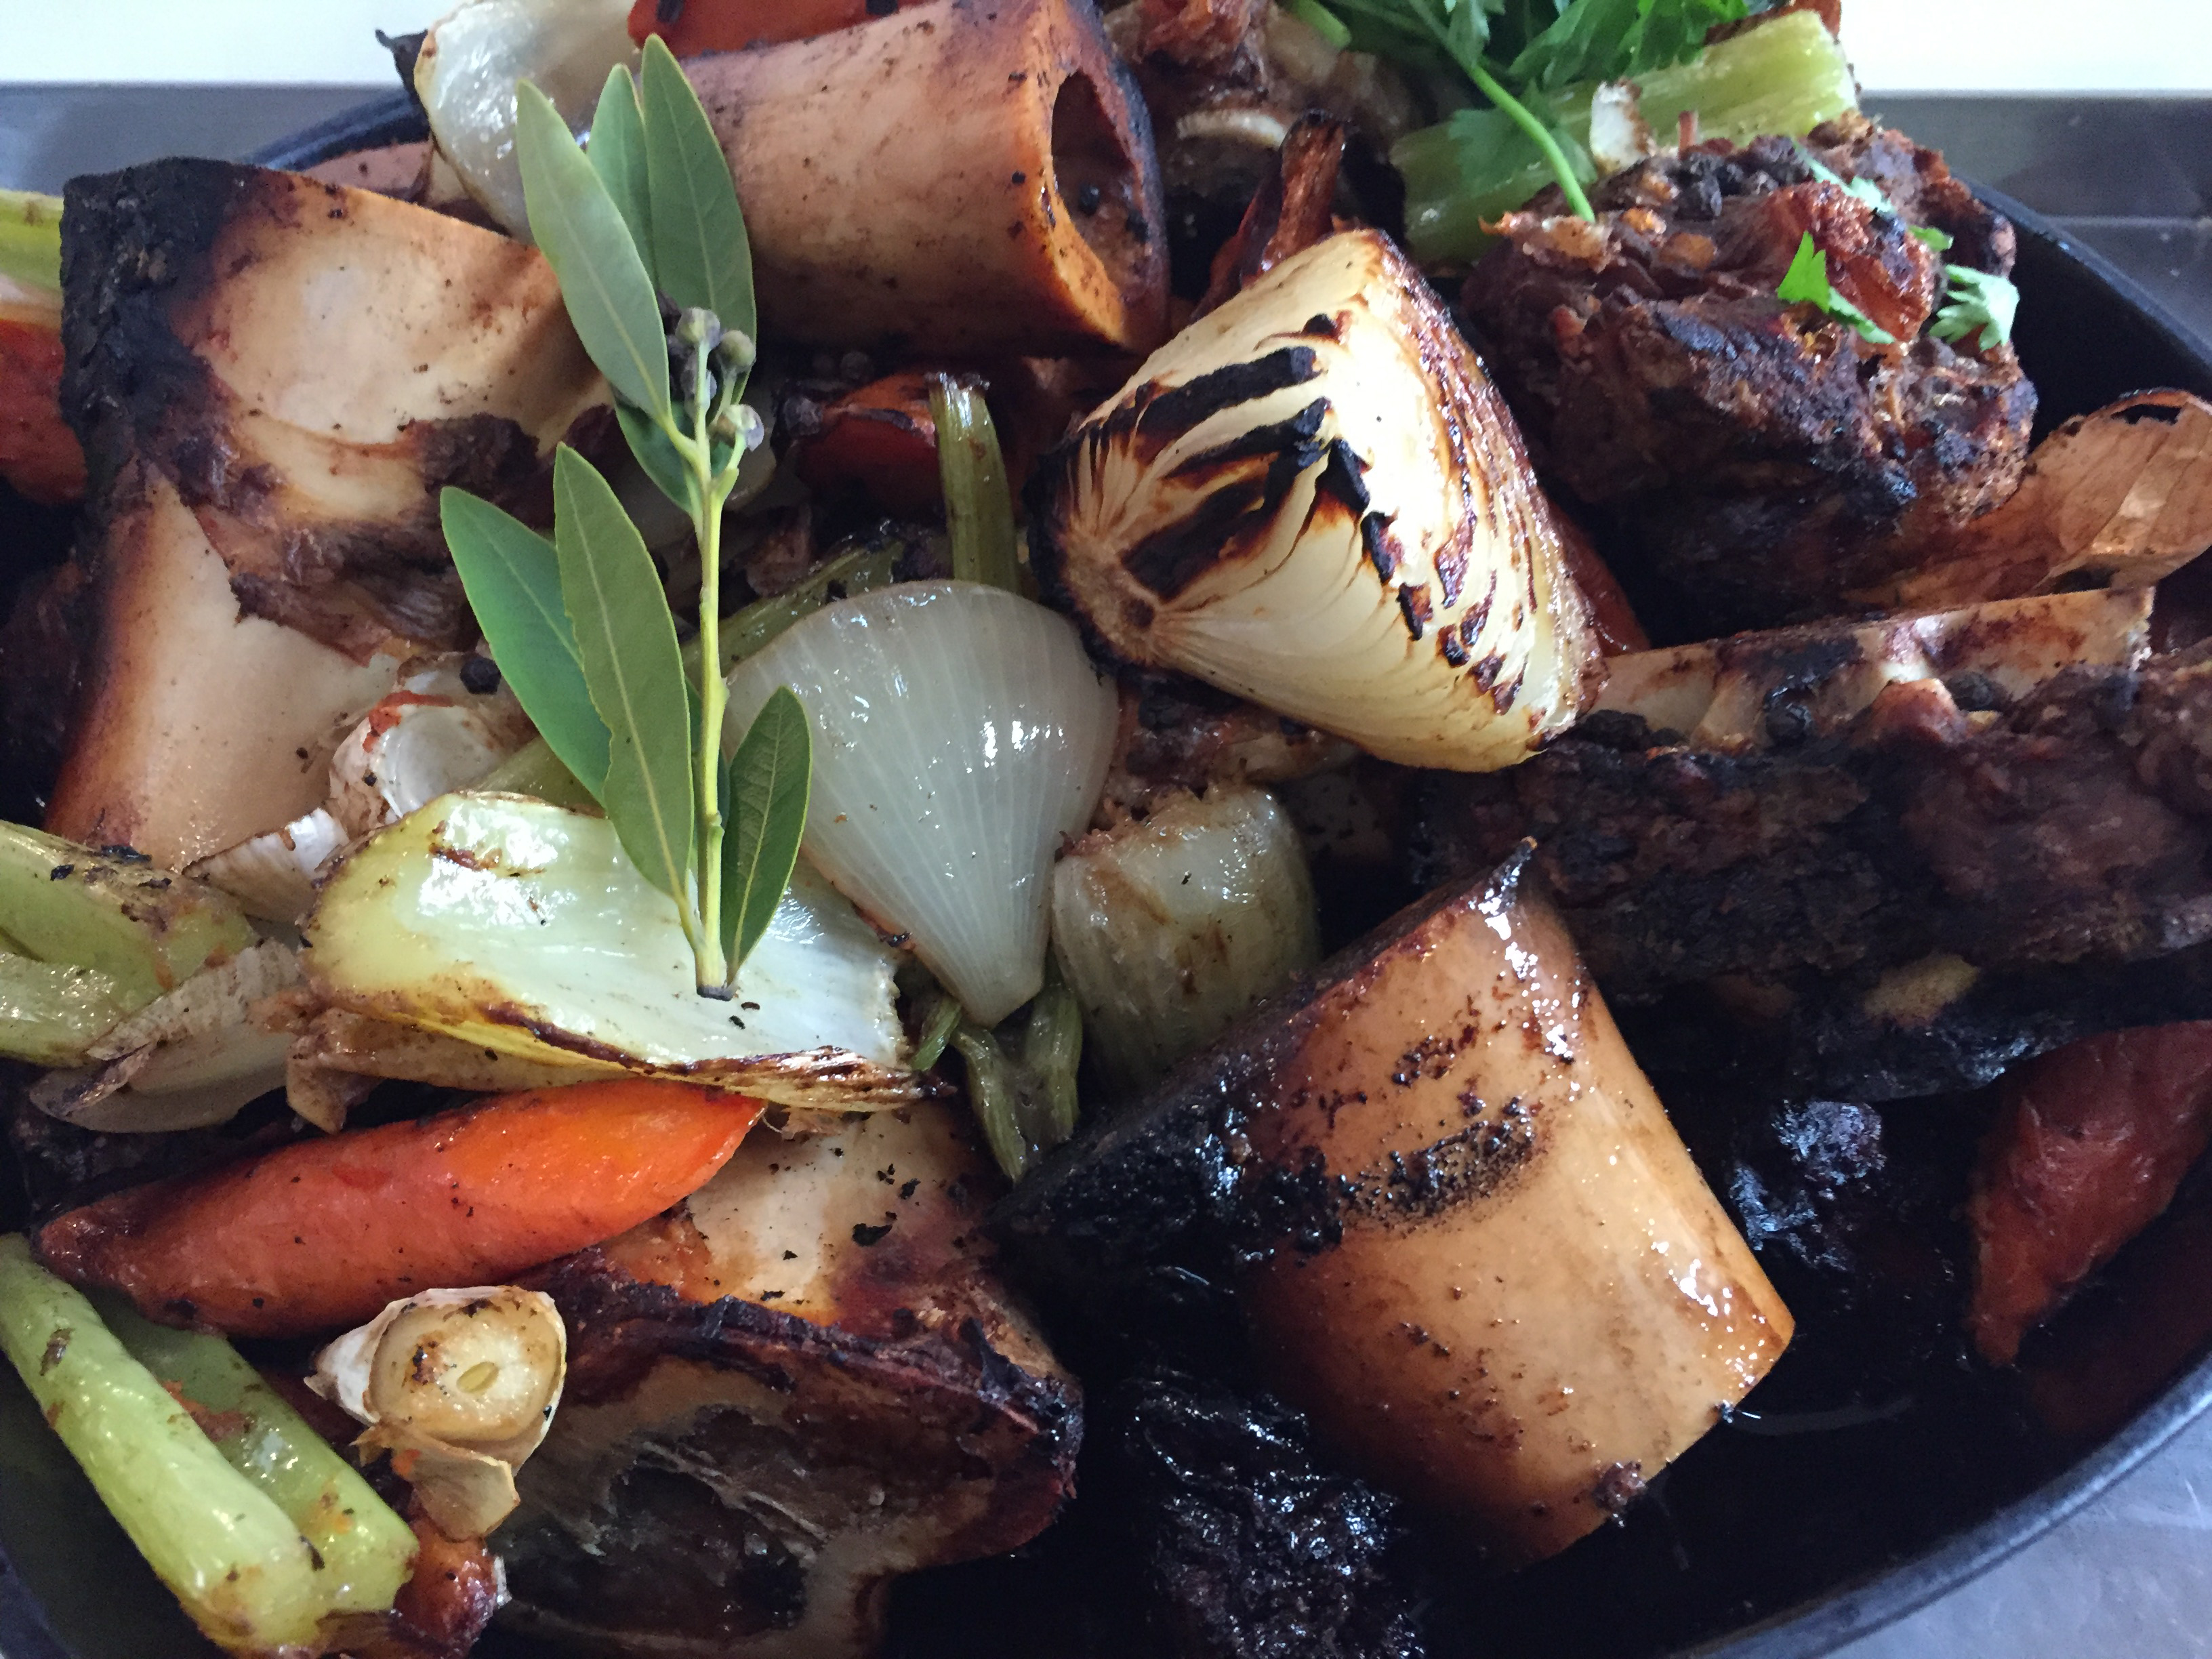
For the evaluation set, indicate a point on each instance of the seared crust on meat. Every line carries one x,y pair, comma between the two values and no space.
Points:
1909,905
1763,458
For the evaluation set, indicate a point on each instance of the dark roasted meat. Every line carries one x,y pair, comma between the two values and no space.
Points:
1248,1547
1760,457
1916,900
2091,1143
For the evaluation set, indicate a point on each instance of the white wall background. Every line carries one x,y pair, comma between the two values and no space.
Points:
1899,46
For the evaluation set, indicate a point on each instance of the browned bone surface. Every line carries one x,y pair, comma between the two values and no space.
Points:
2088,1149
1536,1303
1473,1249
804,1382
1763,458
274,377
969,174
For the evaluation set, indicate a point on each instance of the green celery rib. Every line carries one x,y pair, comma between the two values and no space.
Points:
979,508
862,570
233,1558
31,238
366,1549
1786,76
51,1013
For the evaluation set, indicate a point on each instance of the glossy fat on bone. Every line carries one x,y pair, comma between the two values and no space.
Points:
1536,1303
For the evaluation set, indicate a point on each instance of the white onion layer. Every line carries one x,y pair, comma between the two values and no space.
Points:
960,735
1169,930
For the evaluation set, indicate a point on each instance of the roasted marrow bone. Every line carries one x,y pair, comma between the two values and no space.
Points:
1473,1248
1030,221
273,378
806,1380
1312,498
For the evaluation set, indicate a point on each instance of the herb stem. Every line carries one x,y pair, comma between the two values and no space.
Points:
709,492
1514,110
1519,113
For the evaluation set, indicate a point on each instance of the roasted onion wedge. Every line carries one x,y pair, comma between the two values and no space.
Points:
1312,497
524,929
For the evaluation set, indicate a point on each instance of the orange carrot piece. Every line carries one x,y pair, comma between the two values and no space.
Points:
880,436
39,453
691,26
323,1233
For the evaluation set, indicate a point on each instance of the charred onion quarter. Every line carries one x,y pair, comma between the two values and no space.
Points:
1536,1303
806,1380
974,175
1313,498
273,378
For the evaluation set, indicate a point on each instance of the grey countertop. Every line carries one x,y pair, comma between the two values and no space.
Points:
2131,1573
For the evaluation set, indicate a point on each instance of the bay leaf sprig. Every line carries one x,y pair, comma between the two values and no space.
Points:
645,235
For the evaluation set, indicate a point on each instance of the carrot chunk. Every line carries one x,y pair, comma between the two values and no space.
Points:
323,1233
691,26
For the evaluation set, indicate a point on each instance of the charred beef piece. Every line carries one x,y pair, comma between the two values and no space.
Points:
1761,458
2091,1144
1907,906
1248,1547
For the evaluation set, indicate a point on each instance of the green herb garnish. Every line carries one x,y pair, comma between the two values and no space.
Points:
1805,281
645,225
1977,300
1516,52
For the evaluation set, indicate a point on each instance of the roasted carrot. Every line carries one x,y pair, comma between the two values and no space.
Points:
323,1233
880,436
39,453
691,26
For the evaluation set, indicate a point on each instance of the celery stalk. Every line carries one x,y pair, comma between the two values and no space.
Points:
366,1549
231,1556
50,1012
535,771
861,570
147,929
1786,76
31,238
979,510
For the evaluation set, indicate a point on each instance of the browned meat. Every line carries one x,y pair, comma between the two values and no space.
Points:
445,1604
2091,1144
1914,902
1177,734
1761,457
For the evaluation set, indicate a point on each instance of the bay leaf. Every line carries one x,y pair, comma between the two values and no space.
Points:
626,637
771,774
699,248
582,232
511,576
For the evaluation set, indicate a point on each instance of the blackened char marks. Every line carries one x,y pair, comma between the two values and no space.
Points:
1249,1546
1169,415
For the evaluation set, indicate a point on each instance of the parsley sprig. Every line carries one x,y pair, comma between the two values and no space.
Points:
1514,51
1976,300
648,240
